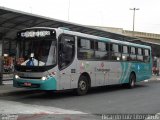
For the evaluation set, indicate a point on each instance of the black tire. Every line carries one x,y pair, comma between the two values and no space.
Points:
132,81
83,86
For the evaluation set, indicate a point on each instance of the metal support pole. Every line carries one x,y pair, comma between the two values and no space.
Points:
69,9
134,9
1,60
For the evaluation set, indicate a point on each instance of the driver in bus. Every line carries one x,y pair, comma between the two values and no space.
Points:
33,62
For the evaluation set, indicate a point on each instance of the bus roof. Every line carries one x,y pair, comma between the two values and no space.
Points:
103,39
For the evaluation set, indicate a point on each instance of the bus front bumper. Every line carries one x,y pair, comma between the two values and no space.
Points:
38,84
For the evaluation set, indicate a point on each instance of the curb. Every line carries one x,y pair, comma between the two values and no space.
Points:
152,79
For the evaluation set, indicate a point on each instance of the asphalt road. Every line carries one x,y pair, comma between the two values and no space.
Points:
144,98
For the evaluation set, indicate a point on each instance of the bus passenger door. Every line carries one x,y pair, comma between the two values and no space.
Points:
66,62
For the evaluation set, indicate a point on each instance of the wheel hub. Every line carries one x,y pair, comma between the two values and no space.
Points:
82,85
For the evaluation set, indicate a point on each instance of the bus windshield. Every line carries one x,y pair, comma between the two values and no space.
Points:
36,52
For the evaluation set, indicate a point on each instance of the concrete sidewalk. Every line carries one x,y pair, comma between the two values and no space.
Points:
154,77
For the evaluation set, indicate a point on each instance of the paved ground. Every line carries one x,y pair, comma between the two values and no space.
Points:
144,99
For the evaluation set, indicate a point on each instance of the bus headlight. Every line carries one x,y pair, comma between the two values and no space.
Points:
44,78
16,76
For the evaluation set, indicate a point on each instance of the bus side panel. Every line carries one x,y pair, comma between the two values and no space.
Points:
115,73
101,72
141,70
86,67
126,69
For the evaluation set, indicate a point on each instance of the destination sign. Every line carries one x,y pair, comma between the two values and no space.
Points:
37,33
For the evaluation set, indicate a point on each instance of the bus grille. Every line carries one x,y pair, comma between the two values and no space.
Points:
29,77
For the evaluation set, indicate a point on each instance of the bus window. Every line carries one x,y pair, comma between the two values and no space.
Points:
101,51
146,55
85,44
115,53
66,51
85,48
133,54
139,54
125,53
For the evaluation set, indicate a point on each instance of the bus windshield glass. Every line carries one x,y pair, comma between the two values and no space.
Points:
36,52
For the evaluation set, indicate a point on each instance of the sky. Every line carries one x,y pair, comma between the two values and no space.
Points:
105,13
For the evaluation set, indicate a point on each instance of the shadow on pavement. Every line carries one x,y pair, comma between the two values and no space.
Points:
37,94
72,93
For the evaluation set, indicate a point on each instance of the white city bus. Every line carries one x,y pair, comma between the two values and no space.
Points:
59,59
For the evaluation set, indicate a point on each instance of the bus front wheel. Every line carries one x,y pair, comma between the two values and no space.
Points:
83,85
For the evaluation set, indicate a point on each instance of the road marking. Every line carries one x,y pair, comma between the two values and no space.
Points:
10,107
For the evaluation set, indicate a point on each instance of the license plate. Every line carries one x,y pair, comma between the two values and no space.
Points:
27,84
